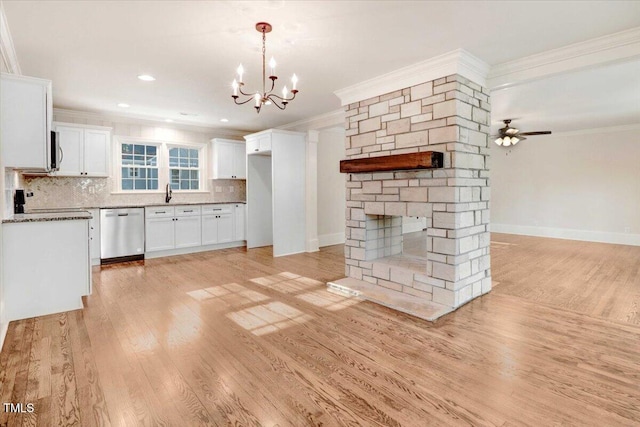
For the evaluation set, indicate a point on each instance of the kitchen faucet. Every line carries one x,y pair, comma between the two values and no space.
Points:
167,197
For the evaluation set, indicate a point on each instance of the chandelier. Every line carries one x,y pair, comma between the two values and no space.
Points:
266,97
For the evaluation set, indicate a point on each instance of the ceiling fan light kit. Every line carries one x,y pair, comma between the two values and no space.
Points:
509,136
266,97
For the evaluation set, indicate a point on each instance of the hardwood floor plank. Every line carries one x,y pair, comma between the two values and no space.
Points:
237,337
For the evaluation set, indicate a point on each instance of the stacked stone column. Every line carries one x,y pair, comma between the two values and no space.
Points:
449,115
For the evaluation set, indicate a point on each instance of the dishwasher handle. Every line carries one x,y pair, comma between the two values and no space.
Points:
123,214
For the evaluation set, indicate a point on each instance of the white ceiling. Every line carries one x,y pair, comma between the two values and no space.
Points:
93,51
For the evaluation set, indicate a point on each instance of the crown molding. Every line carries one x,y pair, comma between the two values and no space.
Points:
327,120
149,121
7,51
612,48
456,62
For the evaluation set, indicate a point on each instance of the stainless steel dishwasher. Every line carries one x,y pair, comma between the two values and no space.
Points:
121,235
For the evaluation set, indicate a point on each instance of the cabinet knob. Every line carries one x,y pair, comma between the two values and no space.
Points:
257,149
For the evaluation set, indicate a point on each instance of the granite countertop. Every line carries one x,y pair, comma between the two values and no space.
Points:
47,216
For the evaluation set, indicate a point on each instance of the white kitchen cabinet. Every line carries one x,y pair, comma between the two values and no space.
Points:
276,194
217,224
228,159
26,110
239,222
94,236
40,278
187,227
172,227
85,150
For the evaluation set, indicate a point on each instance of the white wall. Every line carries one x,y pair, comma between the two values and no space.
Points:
331,187
580,185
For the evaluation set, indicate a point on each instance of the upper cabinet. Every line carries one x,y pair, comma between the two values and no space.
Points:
228,159
85,150
26,110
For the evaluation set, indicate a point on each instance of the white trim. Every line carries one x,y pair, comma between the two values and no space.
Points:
81,126
271,131
331,239
194,249
458,61
7,50
326,120
568,233
3,333
311,191
612,48
139,119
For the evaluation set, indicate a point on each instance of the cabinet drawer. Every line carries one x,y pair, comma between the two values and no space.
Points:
216,209
253,145
264,143
159,212
187,210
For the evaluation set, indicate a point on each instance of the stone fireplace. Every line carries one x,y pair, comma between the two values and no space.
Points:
434,270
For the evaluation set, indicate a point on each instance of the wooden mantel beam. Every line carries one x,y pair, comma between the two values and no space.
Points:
424,160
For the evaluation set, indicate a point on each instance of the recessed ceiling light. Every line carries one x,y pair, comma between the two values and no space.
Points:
169,120
146,77
224,120
123,105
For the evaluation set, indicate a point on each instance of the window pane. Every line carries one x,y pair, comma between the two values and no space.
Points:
140,184
174,186
127,159
152,161
184,185
173,162
193,153
138,160
184,174
193,163
127,148
195,185
138,149
153,173
127,184
173,152
153,184
184,163
143,173
125,172
151,150
175,173
184,153
194,174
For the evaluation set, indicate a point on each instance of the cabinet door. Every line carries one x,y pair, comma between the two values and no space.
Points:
239,223
253,145
188,232
71,144
223,160
240,161
159,234
225,228
96,152
209,229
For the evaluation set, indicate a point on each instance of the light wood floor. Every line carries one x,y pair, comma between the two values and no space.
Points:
193,340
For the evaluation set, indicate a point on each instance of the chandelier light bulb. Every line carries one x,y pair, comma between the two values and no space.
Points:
514,140
294,81
506,141
272,65
234,85
499,141
258,99
240,73
284,92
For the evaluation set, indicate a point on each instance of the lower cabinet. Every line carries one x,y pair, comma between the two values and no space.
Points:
177,228
217,224
94,236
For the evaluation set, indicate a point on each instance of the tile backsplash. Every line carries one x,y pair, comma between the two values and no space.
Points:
77,192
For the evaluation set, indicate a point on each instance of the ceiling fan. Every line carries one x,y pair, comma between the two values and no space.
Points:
508,135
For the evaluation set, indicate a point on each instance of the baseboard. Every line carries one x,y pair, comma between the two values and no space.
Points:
194,249
312,245
3,333
331,239
569,234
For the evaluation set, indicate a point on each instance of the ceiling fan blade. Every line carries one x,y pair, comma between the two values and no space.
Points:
543,132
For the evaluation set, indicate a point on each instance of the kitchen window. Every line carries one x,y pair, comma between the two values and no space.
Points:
149,166
139,167
184,168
